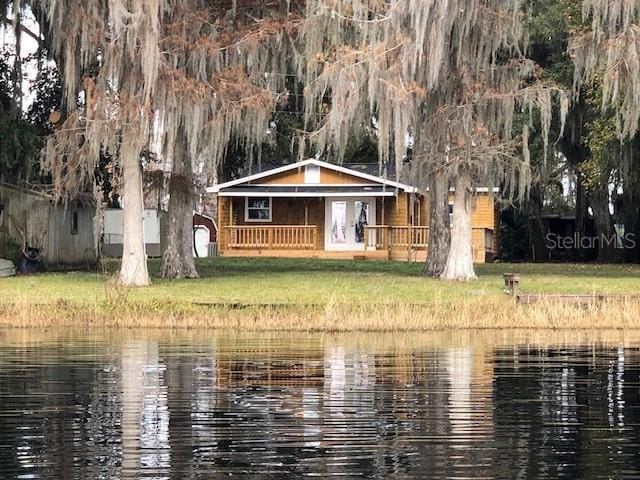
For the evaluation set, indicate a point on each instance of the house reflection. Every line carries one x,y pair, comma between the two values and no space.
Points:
323,406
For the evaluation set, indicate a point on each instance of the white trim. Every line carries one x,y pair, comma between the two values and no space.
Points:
350,245
312,161
205,216
306,194
479,190
215,224
308,185
257,220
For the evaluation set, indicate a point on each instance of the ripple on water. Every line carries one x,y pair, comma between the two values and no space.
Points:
94,405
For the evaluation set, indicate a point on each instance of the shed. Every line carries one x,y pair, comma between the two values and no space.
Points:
64,233
113,232
153,221
204,246
205,221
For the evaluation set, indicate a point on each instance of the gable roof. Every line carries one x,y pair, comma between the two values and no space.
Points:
351,170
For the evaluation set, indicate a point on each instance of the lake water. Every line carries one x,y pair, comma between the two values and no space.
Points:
109,405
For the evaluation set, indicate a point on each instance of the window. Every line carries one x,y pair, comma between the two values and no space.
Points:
450,214
1,215
312,174
74,223
258,209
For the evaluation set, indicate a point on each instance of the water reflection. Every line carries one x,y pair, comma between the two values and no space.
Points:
476,405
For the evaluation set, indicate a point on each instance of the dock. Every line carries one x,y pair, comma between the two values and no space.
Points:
573,299
512,286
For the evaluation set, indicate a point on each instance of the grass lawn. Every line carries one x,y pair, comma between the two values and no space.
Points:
313,281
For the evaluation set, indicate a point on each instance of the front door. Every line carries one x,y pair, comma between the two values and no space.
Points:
345,219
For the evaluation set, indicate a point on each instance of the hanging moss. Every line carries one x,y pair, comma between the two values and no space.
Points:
607,44
452,72
135,71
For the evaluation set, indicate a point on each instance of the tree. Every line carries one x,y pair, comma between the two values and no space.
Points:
187,75
603,46
23,130
177,256
461,76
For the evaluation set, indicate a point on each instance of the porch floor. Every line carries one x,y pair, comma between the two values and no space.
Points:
394,254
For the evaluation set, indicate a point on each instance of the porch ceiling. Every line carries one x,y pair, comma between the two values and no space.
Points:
308,191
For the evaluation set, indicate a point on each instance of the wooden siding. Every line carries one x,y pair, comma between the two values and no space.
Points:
484,214
331,177
296,176
396,210
285,211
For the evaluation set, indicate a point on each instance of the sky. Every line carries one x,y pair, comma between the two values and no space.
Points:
29,47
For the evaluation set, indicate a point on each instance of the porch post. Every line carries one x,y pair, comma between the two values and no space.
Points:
230,230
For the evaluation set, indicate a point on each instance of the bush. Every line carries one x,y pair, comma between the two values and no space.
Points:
11,249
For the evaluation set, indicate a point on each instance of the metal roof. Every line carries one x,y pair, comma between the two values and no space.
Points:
355,170
387,170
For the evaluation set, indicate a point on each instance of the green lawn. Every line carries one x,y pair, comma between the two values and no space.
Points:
266,280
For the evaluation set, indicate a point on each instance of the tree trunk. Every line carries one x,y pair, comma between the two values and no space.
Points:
537,229
576,154
629,208
133,271
605,233
459,265
631,219
439,228
582,212
177,249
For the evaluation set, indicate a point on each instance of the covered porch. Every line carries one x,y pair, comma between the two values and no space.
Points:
318,209
356,227
383,242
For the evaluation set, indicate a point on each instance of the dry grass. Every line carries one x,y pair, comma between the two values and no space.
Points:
475,313
314,295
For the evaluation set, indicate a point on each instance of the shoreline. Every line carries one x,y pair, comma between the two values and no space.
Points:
307,295
493,312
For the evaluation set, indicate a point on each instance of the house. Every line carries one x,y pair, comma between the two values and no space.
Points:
63,234
317,209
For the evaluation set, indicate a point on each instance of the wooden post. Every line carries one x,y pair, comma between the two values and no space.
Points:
388,232
511,283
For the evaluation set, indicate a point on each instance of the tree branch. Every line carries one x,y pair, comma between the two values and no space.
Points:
23,29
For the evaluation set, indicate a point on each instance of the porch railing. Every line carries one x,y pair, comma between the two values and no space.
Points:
382,237
272,237
386,237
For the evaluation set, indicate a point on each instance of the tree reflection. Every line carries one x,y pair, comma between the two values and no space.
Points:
226,405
